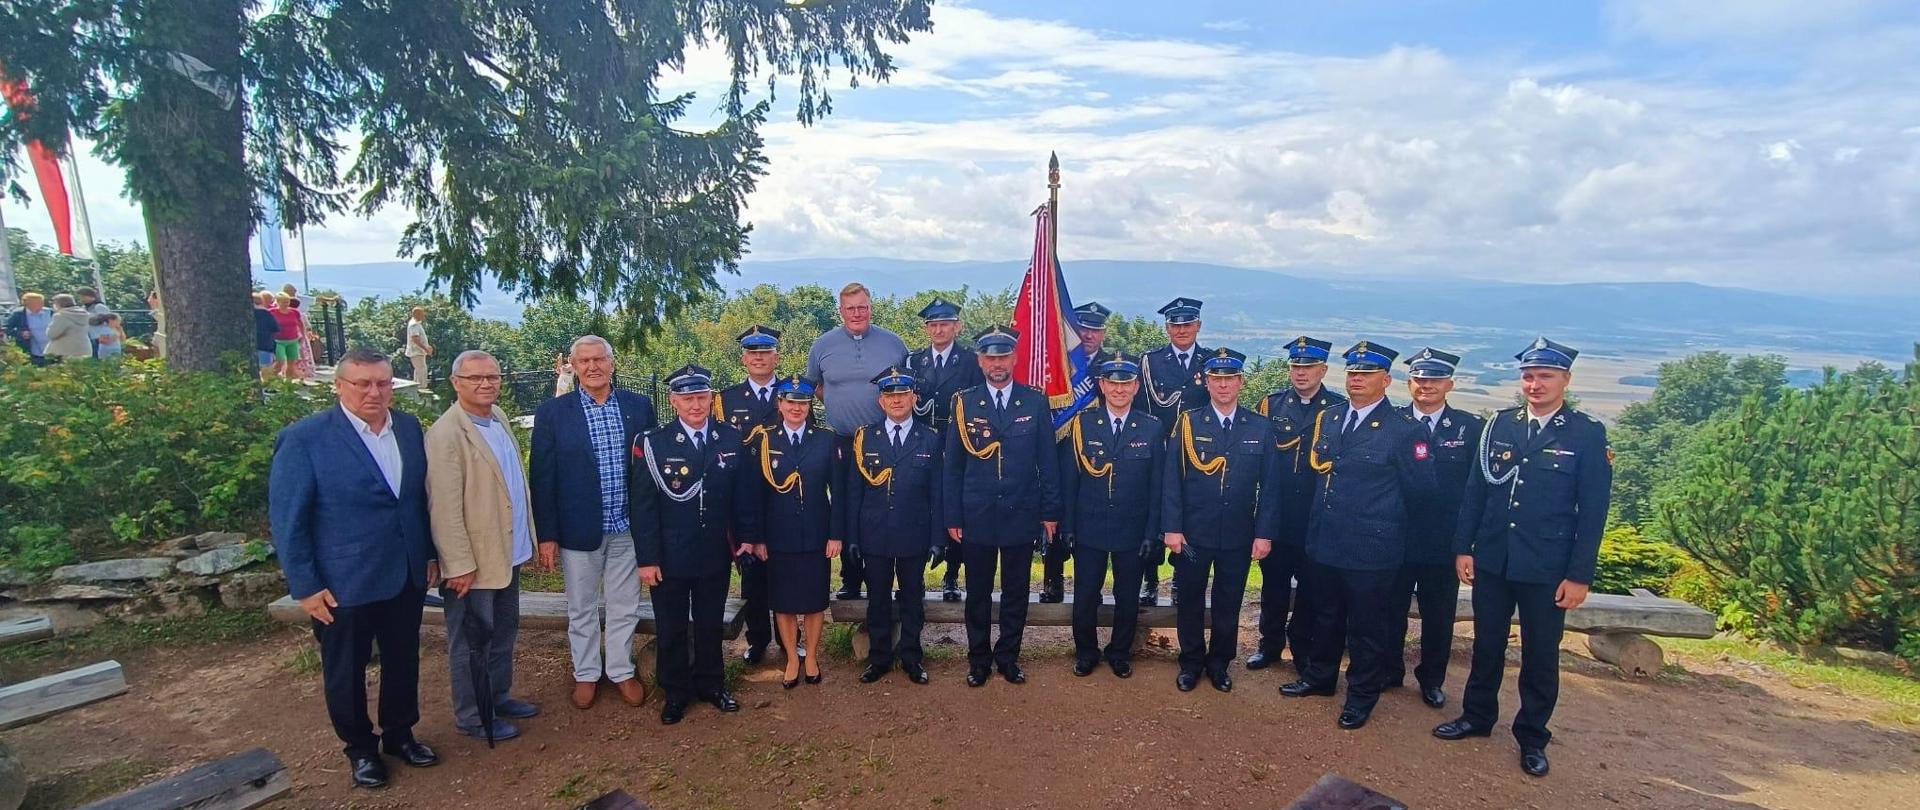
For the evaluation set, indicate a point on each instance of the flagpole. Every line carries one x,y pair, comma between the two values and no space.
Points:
1053,200
8,295
84,223
306,279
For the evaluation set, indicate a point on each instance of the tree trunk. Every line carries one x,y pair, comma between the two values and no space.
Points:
187,168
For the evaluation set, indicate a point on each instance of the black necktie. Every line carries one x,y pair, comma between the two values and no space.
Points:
939,361
897,438
763,394
1000,401
1533,428
698,435
1353,421
1428,419
1226,424
1116,428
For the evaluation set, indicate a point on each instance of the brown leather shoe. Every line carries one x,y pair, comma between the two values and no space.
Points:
584,692
632,691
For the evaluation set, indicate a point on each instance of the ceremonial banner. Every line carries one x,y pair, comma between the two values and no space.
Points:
1048,356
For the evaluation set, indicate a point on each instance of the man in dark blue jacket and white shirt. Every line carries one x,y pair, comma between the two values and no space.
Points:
1110,468
347,499
891,513
1376,472
1220,510
1529,540
577,471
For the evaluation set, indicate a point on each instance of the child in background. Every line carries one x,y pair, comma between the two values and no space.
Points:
109,338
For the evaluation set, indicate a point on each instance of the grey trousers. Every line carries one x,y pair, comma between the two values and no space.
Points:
497,611
607,573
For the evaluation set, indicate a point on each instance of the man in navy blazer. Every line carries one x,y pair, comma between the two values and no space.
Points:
577,470
347,499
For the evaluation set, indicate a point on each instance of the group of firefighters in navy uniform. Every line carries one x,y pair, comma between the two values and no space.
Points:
1354,509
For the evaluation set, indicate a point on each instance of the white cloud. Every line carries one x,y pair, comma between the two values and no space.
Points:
1227,25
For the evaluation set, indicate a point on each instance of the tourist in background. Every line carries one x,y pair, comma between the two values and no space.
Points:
289,332
418,347
67,333
109,340
265,326
28,326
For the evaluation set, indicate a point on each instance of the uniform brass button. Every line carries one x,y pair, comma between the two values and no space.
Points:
1525,460
1519,481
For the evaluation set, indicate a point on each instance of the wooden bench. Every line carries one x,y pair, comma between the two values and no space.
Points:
1617,625
244,780
539,610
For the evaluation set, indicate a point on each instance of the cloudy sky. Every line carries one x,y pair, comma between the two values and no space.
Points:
1766,143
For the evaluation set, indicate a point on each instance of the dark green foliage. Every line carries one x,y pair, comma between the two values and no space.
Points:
1629,560
529,139
1806,510
1690,391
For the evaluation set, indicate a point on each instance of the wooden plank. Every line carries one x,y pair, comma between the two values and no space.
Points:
539,610
244,780
22,629
1058,614
40,698
1612,612
1334,792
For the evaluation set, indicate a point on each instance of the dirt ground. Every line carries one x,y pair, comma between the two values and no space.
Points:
1709,734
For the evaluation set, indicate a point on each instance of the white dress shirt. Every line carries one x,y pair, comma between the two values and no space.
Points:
507,457
384,446
1358,415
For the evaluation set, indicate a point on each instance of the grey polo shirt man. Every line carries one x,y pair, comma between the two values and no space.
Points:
843,366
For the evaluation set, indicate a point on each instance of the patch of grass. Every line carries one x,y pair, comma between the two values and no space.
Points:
534,579
837,640
305,662
1900,693
576,787
112,638
735,670
96,781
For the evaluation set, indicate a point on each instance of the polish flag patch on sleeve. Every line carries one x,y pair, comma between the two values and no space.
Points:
1419,451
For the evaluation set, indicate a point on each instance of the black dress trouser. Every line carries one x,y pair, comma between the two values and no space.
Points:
1089,573
1280,597
1190,569
1353,611
753,592
885,607
689,614
1015,565
346,647
1437,590
1495,598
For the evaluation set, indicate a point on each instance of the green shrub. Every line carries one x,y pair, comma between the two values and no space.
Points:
1806,511
97,457
1629,560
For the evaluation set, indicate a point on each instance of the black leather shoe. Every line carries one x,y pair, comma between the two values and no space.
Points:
1083,668
1261,659
1150,593
414,753
1187,681
368,772
1013,674
916,673
722,701
1121,669
1305,688
1432,696
1351,719
872,673
1533,760
673,712
1221,681
848,593
952,593
1053,592
755,653
977,676
1461,728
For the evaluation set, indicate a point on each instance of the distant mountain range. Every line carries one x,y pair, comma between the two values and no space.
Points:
1259,310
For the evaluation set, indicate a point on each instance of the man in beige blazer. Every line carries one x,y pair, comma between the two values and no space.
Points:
483,529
